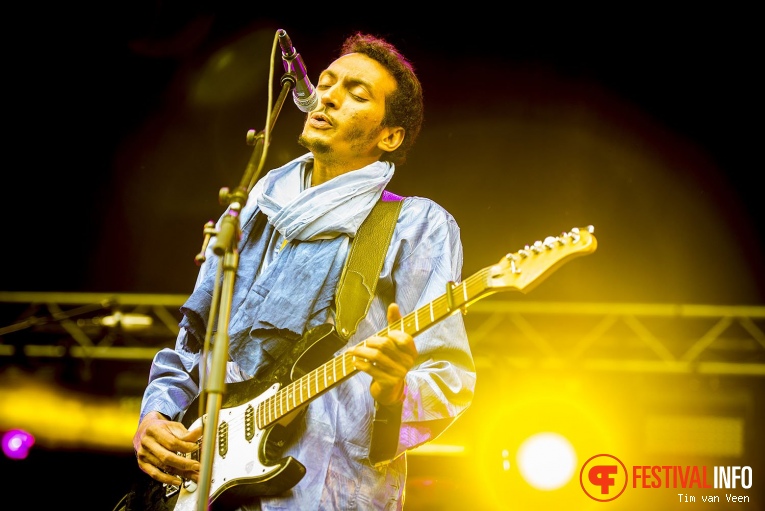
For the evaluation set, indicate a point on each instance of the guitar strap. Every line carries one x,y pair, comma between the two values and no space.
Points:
365,260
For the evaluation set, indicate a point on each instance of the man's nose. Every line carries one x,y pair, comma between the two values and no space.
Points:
329,97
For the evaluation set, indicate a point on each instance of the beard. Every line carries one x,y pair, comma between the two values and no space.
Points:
315,146
359,139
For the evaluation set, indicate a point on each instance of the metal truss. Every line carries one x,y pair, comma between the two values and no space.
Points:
628,337
87,325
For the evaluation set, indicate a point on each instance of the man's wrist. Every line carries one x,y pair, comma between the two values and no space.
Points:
398,400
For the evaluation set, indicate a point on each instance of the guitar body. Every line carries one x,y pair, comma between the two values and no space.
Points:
247,461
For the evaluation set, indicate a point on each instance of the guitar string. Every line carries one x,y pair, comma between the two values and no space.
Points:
283,401
310,385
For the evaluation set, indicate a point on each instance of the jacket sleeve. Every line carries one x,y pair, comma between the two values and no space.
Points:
427,256
174,375
172,383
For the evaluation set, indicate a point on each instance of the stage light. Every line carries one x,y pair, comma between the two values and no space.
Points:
17,443
529,449
547,461
125,321
61,418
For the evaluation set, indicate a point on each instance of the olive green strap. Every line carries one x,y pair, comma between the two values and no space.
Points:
363,265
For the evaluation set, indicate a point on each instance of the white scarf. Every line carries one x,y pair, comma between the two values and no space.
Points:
338,206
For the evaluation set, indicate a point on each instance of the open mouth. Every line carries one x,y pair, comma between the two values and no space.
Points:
320,120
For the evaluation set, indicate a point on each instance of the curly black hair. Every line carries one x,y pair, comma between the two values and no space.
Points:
405,106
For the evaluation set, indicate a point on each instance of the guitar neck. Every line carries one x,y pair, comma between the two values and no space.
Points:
521,270
309,386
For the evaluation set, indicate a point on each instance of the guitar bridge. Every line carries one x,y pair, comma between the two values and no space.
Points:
171,489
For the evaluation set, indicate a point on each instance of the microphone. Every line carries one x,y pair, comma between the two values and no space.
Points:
303,93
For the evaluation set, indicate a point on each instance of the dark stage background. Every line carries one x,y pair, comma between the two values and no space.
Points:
123,121
127,120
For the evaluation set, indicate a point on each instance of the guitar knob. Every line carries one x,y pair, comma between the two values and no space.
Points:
189,485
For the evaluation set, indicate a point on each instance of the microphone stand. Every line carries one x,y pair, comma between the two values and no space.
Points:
226,248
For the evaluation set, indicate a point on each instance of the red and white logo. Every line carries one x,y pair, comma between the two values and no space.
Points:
603,477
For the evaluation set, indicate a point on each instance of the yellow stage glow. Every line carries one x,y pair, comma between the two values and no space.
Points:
63,419
529,449
547,461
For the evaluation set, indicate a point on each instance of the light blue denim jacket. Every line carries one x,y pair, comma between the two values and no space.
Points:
334,439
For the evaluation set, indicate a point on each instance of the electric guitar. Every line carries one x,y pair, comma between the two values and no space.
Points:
255,414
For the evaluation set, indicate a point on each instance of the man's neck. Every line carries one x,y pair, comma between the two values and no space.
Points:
324,170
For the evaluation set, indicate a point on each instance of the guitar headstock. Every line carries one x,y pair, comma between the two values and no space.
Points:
525,269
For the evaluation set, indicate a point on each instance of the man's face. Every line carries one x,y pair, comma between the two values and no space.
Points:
346,125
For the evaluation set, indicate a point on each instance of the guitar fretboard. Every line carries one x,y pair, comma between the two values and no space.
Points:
313,383
456,298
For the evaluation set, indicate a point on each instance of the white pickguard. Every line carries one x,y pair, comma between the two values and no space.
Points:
241,460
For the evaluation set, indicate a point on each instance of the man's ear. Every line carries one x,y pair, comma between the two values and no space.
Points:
392,139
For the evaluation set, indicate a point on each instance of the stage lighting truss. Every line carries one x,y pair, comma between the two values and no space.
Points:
87,326
635,338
